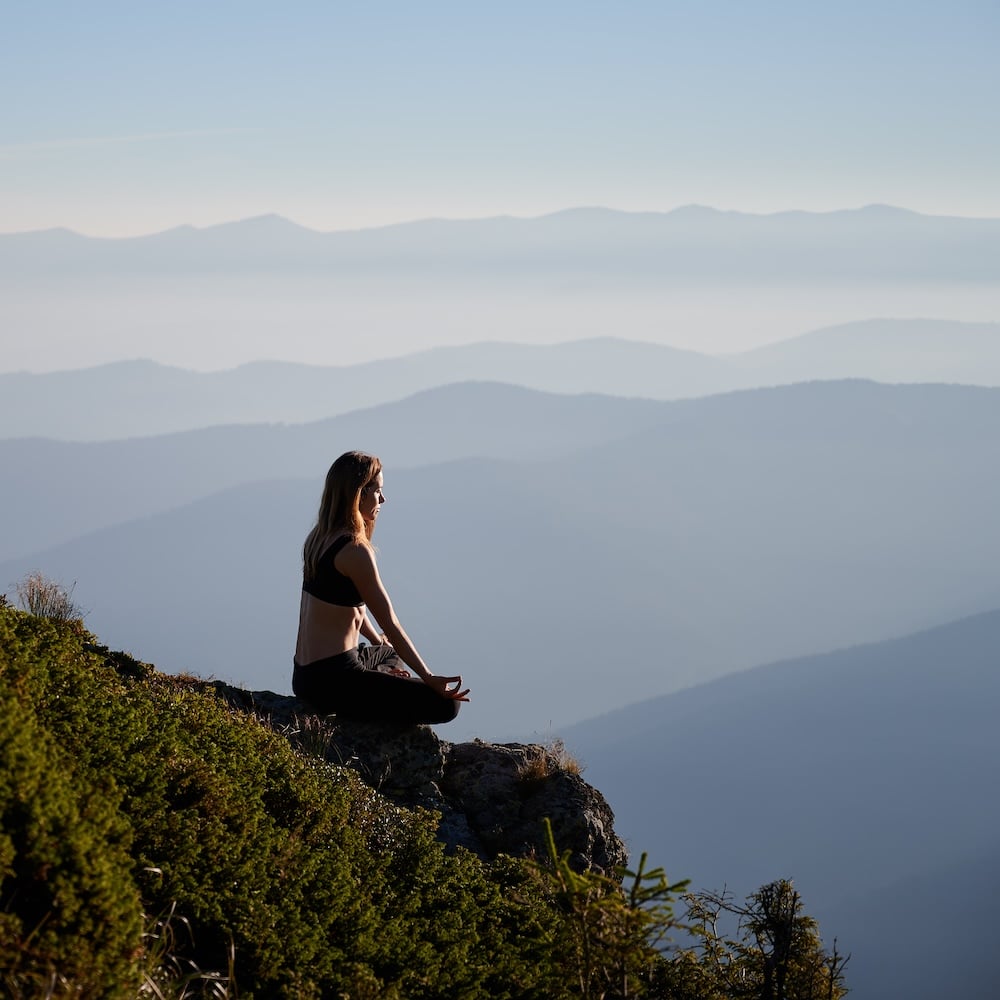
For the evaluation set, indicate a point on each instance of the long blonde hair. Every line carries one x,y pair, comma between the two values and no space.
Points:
339,509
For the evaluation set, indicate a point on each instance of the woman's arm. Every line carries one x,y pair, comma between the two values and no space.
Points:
358,562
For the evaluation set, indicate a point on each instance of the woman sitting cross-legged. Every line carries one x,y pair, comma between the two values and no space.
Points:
340,580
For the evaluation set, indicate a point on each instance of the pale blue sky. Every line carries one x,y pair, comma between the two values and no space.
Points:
127,117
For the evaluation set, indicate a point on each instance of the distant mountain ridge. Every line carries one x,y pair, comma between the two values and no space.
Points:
872,241
694,278
88,404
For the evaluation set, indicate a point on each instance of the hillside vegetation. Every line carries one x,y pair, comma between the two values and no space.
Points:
152,843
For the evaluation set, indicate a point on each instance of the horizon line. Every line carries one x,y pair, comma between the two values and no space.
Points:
459,220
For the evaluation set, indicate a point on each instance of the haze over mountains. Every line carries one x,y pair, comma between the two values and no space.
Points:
87,404
630,458
694,278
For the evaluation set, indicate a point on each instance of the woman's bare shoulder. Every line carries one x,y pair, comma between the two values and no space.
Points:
356,553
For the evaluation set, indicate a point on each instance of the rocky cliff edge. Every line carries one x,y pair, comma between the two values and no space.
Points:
492,798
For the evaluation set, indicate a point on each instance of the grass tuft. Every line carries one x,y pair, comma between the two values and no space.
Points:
46,598
549,759
168,976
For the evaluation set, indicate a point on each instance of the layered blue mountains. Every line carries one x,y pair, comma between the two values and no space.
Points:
749,579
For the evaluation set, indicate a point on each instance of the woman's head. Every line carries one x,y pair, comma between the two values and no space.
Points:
352,489
351,476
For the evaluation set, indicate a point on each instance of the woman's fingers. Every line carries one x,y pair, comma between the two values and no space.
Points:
449,687
452,686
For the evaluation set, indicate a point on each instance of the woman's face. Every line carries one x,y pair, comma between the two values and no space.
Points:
372,499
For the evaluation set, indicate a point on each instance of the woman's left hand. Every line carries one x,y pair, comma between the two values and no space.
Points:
448,687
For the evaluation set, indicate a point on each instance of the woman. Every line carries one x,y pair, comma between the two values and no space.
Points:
339,579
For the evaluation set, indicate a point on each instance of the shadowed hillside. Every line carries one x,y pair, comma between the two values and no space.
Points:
867,775
884,915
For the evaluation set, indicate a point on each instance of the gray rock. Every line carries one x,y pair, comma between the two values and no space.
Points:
492,798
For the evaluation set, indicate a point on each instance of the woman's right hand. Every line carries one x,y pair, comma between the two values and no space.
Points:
448,687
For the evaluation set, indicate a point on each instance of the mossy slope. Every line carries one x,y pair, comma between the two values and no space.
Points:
123,793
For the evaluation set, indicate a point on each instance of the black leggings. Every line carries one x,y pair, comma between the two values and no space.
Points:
355,685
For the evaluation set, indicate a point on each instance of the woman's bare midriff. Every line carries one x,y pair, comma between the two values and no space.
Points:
326,629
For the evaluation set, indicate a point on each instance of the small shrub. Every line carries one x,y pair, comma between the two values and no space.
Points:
45,598
612,934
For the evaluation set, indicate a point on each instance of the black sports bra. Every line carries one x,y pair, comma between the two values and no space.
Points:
329,584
